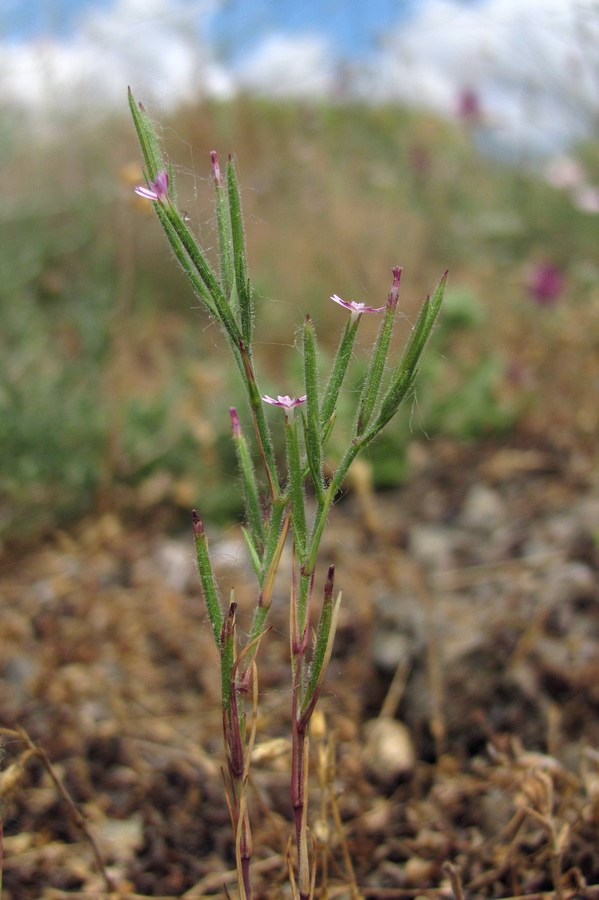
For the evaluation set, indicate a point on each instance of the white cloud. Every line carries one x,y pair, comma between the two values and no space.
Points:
284,65
534,65
153,45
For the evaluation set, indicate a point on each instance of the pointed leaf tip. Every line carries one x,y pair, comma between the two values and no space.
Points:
328,588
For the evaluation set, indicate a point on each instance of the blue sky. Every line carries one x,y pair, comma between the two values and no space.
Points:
27,19
353,27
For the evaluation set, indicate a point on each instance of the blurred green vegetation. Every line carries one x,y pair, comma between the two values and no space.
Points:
114,391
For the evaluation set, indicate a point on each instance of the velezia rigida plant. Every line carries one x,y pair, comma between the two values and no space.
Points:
274,490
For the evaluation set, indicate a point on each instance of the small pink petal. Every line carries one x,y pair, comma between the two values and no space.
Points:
356,307
157,190
146,193
284,401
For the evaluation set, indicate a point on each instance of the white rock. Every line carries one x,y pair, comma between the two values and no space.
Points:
483,509
389,750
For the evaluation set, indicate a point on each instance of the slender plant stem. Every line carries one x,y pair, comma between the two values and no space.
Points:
299,772
261,428
229,299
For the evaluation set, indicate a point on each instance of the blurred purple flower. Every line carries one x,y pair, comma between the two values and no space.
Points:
545,283
156,190
468,106
285,401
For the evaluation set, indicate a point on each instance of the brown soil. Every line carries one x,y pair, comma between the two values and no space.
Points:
460,738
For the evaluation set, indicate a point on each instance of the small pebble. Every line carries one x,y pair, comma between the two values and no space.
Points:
483,509
388,750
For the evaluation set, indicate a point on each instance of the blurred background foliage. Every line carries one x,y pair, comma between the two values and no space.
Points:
114,392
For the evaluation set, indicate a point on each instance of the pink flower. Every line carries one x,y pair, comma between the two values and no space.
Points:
284,401
156,190
545,283
356,307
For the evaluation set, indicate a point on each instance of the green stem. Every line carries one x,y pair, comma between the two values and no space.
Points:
260,425
296,487
323,510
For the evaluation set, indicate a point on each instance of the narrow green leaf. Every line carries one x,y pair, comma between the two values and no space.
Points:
378,360
146,133
279,527
325,636
168,213
403,382
422,329
250,485
223,226
312,429
183,258
304,589
242,281
328,429
339,370
252,551
204,270
209,585
261,428
333,487
275,542
404,376
227,655
374,373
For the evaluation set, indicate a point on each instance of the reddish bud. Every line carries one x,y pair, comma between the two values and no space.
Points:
198,525
328,588
235,422
216,168
394,292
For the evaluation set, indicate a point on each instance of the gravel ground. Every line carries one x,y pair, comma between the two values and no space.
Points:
458,748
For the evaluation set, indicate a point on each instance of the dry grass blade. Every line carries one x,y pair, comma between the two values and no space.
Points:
40,753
